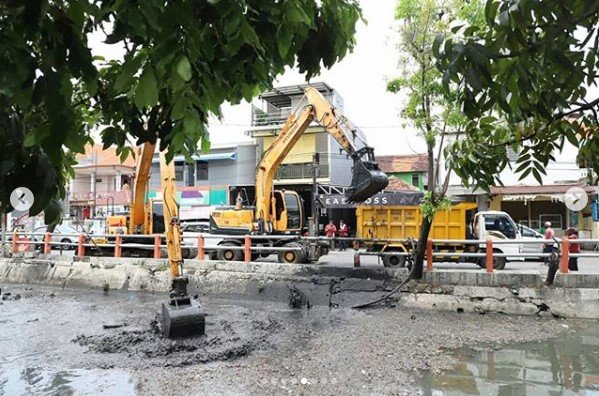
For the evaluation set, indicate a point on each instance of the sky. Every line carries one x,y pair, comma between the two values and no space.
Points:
360,78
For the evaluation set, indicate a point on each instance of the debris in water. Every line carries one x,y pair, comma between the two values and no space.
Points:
114,326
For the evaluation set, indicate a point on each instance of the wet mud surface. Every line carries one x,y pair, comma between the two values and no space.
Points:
85,340
239,334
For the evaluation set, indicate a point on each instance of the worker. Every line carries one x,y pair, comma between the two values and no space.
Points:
549,241
330,230
343,231
574,248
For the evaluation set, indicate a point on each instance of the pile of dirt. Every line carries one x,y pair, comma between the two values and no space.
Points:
236,336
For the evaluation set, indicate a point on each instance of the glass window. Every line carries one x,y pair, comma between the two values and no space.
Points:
201,170
179,166
415,179
500,224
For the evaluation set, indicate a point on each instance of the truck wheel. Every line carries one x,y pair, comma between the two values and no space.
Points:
292,256
499,263
394,261
230,255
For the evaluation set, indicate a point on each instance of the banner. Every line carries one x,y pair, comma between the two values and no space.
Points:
339,201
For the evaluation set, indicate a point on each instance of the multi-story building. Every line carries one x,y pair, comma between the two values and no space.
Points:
97,188
295,172
212,179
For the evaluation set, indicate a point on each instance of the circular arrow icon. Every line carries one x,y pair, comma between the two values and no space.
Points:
576,199
21,199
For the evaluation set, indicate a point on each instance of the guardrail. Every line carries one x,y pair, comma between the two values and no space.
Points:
23,241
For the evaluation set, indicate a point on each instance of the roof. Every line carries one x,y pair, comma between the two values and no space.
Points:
403,163
546,189
280,96
97,157
397,184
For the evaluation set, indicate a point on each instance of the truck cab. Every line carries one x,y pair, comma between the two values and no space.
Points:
499,226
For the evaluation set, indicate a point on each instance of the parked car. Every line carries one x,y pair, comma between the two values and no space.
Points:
528,234
62,233
193,229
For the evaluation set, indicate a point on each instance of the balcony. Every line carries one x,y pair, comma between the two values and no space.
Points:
274,116
300,171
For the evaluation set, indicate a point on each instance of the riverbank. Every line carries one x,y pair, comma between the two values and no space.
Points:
250,347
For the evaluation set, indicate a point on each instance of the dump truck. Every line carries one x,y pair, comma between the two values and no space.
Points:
459,222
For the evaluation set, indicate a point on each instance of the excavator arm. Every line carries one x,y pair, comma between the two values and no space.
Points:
180,317
367,178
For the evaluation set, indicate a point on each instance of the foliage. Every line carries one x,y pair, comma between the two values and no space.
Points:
526,75
432,203
182,59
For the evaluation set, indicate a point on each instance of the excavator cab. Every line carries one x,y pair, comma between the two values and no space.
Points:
367,177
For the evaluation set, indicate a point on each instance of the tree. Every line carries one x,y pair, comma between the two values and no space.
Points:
182,59
431,106
525,74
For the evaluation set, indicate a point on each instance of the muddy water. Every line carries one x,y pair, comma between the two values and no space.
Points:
566,365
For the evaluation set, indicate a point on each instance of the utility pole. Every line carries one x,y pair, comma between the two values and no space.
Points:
315,174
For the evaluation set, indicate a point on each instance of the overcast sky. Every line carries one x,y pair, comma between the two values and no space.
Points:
360,78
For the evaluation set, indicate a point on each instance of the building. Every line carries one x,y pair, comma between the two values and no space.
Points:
212,179
531,203
412,169
97,188
295,173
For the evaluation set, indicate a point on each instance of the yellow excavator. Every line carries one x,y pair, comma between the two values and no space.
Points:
280,213
181,317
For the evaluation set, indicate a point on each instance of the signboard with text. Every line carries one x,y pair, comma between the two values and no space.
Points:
339,201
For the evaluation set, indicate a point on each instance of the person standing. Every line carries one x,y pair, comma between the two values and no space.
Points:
330,230
549,241
343,231
574,248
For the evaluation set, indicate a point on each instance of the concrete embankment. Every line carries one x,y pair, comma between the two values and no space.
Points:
517,292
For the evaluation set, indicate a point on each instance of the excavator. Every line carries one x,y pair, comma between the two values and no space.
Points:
181,317
280,213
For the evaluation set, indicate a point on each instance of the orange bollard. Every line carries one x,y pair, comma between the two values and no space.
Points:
429,255
201,247
563,264
247,249
47,249
117,245
15,235
157,246
489,251
80,247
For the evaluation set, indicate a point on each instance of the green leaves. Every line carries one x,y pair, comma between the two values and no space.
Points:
146,94
183,68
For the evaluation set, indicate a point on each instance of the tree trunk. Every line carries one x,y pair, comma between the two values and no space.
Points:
425,228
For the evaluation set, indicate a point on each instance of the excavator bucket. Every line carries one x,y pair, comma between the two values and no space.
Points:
367,177
182,317
180,321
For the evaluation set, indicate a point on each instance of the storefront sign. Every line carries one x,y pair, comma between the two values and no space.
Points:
332,201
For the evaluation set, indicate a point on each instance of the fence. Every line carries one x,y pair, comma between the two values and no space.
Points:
484,249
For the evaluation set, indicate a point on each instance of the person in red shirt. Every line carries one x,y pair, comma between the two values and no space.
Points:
343,231
330,230
574,248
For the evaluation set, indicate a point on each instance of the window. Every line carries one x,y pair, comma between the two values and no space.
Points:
501,224
415,179
179,166
190,177
555,219
201,170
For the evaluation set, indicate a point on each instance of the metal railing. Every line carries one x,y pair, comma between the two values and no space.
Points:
485,249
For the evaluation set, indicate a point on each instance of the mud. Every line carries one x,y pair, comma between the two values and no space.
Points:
250,347
236,336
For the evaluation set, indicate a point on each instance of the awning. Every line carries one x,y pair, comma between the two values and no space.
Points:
230,155
533,197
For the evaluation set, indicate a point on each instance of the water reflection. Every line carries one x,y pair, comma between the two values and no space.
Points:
564,366
38,381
